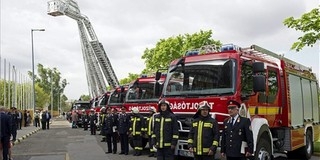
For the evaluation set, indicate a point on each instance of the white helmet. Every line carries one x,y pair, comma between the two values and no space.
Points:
135,110
152,109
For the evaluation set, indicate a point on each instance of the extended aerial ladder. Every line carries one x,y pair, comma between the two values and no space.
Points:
97,64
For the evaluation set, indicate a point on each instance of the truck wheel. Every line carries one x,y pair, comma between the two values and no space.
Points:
308,148
263,151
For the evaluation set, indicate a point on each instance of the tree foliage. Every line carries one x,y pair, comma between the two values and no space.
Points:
51,82
172,48
85,97
131,77
309,24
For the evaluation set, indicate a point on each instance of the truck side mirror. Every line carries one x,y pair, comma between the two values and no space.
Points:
257,67
259,83
157,90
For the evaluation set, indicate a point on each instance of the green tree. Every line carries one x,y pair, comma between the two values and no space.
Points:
172,48
85,98
309,24
42,98
131,77
51,82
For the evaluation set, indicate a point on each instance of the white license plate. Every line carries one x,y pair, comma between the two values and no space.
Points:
185,153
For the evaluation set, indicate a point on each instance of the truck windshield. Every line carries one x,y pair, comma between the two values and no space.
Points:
143,91
116,97
216,77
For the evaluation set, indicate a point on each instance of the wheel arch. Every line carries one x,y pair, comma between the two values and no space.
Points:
260,127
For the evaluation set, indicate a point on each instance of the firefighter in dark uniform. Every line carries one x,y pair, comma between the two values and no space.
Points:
136,130
237,131
204,134
14,122
123,129
108,123
166,132
115,135
85,120
93,120
101,120
152,111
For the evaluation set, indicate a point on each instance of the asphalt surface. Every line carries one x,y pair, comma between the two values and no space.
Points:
61,142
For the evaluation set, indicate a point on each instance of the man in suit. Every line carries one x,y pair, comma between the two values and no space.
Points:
48,117
237,131
5,127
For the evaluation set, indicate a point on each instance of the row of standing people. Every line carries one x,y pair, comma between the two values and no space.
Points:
44,117
162,130
8,130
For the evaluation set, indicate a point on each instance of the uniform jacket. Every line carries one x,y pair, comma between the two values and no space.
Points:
14,120
108,122
169,134
85,118
123,123
137,125
149,125
93,119
204,135
233,135
5,125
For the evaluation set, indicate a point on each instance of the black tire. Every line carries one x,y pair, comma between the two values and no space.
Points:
307,150
263,151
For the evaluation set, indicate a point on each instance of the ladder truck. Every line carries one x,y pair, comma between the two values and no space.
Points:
97,64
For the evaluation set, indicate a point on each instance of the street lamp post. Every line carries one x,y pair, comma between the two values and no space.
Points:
33,87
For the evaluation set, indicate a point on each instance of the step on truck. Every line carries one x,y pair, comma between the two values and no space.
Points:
280,96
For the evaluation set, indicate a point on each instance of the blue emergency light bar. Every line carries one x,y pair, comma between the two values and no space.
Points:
192,53
229,47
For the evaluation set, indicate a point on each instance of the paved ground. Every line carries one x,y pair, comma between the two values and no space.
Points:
63,143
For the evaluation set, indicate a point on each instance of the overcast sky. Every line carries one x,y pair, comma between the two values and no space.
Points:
127,27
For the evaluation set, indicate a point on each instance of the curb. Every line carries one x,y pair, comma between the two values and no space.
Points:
25,136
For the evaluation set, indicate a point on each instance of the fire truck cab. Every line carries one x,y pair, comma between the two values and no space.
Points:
279,95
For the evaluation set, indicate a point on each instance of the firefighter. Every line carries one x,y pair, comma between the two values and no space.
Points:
93,121
165,134
123,129
115,135
136,130
204,134
149,123
108,123
85,120
101,120
237,131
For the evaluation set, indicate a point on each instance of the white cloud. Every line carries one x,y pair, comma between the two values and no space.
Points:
126,28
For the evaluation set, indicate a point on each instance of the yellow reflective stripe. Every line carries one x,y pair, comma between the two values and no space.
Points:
152,150
175,136
130,129
153,136
195,124
190,140
168,119
149,125
138,148
167,144
134,125
215,143
161,132
138,132
205,150
199,137
132,119
208,125
157,119
138,119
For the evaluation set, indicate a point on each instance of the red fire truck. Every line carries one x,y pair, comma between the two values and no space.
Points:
278,95
141,93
